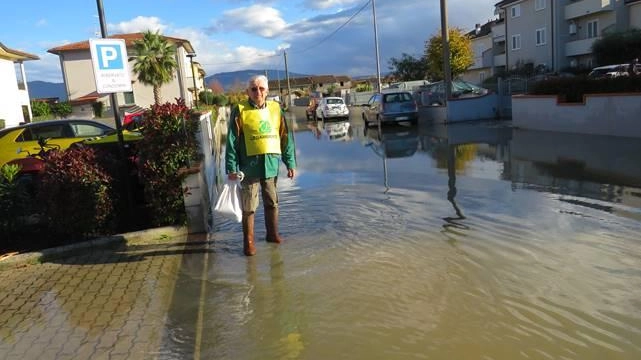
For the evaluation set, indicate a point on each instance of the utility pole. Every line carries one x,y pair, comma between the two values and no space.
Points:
191,56
289,91
378,62
378,65
121,142
447,72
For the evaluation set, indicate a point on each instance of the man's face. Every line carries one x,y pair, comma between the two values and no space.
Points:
257,92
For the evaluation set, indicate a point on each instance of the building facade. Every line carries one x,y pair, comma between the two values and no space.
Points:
77,73
548,35
15,107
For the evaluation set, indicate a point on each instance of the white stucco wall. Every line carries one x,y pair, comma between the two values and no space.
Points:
10,99
616,115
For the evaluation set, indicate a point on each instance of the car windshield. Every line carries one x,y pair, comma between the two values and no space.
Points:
334,101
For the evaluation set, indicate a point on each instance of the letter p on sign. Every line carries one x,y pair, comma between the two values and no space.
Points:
110,66
109,57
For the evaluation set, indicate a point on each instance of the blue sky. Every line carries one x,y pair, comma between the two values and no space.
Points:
230,35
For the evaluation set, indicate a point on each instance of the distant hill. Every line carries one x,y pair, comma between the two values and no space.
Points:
42,89
229,79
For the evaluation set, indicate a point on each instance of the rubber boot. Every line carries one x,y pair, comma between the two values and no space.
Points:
271,224
248,234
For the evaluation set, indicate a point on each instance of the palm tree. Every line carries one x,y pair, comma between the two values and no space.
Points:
155,61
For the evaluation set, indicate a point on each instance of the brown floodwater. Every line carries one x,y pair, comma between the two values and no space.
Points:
429,242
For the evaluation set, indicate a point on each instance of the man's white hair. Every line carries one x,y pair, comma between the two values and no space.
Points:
260,78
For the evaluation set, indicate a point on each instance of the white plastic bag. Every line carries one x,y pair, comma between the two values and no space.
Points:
228,203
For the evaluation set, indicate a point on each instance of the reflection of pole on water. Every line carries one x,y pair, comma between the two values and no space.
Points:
451,184
386,183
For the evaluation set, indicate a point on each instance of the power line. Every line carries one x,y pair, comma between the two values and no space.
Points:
335,31
298,51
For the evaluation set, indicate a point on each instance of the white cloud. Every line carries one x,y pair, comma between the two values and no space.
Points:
138,24
258,20
327,4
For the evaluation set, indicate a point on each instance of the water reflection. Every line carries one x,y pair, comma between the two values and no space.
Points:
484,243
393,141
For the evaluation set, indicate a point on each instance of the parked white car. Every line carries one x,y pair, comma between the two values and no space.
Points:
332,108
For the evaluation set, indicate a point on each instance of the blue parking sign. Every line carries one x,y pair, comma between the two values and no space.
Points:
109,57
110,65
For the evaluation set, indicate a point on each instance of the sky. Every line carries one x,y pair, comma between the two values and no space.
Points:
320,37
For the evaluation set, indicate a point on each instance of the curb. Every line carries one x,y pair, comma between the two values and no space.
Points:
148,235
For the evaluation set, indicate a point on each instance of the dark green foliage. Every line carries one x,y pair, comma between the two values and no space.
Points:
40,108
206,97
618,48
73,193
209,98
61,109
98,108
169,145
13,200
408,68
573,89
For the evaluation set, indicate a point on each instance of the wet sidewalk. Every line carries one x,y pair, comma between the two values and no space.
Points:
98,302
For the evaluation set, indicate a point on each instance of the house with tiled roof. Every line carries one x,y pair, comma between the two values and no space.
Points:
485,53
15,107
77,73
306,84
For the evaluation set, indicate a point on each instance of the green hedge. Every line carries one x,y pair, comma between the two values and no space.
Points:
573,89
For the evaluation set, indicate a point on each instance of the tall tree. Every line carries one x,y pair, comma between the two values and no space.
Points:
461,54
408,68
155,61
617,47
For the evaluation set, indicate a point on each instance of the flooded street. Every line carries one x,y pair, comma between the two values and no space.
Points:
459,242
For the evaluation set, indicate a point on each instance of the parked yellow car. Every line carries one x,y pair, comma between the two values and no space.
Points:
20,141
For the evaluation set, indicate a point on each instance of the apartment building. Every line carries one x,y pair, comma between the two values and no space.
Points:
485,50
77,72
547,35
15,106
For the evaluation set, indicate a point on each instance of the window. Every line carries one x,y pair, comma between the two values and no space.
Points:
129,97
540,36
515,10
516,42
593,29
539,5
87,130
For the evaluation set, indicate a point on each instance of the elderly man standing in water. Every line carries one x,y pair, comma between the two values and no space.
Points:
257,139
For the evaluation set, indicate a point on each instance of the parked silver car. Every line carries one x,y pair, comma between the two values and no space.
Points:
332,108
390,107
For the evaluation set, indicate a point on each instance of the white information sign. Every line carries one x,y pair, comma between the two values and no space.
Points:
110,65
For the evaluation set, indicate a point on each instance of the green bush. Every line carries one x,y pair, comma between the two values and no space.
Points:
61,109
573,89
40,108
169,145
73,194
13,201
98,108
206,97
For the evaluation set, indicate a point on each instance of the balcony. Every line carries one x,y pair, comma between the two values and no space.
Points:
579,47
500,60
581,8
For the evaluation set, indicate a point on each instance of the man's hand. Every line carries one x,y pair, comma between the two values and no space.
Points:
291,173
232,176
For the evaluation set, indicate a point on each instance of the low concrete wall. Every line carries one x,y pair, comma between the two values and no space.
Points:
614,115
461,110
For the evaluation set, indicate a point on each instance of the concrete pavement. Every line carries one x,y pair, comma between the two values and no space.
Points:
106,299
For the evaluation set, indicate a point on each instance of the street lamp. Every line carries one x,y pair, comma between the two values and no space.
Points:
191,57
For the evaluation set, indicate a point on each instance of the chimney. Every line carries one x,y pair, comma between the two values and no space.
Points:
477,29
